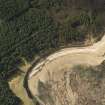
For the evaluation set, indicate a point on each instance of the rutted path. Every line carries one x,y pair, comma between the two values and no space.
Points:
63,60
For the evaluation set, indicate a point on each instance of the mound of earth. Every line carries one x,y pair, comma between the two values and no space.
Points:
57,80
81,85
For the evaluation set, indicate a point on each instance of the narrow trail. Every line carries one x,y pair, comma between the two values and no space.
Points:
65,59
97,49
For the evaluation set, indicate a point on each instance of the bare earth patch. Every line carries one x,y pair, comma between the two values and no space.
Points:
16,85
54,81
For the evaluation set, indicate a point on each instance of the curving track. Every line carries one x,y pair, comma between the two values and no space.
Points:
56,64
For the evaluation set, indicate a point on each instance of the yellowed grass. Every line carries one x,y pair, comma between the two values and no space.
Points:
16,85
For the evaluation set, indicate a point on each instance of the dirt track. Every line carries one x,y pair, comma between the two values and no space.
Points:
65,59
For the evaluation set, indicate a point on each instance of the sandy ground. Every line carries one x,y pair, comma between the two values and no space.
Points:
16,85
65,59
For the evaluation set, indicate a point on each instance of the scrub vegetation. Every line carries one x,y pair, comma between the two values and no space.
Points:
32,27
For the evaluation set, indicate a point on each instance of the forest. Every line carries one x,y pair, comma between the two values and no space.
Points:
32,27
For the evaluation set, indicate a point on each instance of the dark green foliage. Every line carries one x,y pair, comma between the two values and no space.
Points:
12,8
24,36
30,27
33,28
46,4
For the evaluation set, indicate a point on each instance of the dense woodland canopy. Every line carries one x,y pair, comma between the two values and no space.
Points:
31,27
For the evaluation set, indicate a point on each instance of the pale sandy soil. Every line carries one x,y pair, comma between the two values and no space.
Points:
57,63
16,85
